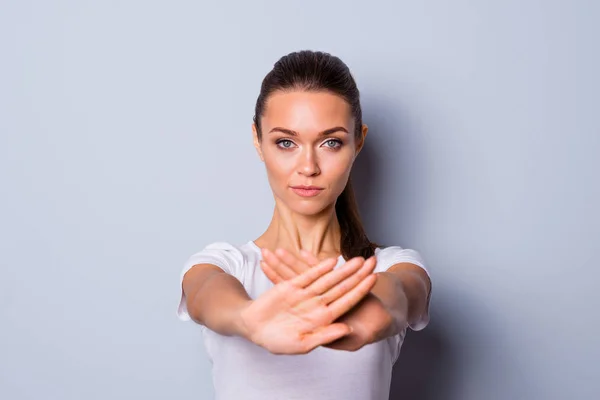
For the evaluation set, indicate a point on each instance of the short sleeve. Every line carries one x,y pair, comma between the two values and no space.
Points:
392,255
221,254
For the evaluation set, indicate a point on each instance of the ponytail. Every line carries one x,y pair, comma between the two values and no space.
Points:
354,240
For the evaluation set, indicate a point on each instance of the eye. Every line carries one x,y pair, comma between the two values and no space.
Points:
333,144
285,143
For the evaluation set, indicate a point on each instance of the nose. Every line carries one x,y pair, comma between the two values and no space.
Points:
308,164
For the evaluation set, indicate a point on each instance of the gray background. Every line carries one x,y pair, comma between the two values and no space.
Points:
126,146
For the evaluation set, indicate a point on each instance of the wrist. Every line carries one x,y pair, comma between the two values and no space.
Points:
384,322
396,307
242,328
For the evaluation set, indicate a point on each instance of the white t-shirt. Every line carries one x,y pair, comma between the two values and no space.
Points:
245,371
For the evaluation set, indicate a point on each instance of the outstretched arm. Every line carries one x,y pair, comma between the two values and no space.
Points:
293,317
398,299
403,291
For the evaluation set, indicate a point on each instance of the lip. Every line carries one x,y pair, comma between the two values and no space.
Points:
306,191
307,187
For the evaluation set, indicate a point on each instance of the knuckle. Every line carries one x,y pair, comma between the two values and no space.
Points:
345,286
311,291
322,300
330,315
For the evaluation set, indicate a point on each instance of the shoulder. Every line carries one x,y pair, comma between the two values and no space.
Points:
230,257
218,250
391,255
225,248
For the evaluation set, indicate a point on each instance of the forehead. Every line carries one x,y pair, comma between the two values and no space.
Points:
304,111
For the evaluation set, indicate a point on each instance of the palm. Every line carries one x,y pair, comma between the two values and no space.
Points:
283,319
297,315
282,267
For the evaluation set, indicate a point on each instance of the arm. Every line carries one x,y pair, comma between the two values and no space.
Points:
399,298
293,317
215,299
403,291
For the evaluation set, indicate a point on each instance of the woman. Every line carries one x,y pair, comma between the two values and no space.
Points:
311,309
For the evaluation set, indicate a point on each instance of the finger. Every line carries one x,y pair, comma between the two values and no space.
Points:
309,258
295,263
349,283
314,273
275,263
326,282
345,303
270,273
326,334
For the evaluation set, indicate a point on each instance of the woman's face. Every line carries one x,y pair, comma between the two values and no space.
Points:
307,140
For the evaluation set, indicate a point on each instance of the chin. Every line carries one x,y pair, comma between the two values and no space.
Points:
308,208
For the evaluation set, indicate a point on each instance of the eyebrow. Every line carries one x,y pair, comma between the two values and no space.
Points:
324,133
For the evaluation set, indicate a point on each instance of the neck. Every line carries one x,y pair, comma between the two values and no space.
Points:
319,234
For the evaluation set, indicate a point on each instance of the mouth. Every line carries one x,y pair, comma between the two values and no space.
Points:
306,191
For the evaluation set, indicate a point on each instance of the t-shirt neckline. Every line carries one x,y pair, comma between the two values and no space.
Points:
258,249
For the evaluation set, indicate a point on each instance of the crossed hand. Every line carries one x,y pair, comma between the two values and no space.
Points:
306,306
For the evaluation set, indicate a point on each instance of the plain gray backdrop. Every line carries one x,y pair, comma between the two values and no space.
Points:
126,146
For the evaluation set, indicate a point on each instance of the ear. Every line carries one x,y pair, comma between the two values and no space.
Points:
257,142
361,141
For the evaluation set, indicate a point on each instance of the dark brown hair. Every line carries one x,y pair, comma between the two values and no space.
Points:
321,72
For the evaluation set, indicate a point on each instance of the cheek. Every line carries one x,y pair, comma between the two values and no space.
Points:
339,171
278,164
279,170
337,166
